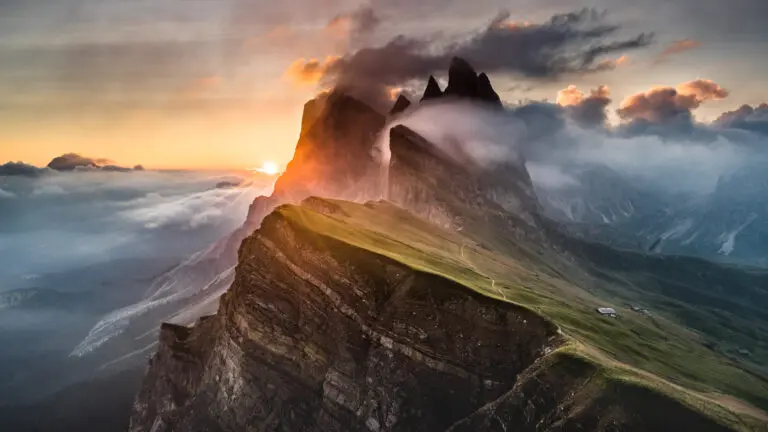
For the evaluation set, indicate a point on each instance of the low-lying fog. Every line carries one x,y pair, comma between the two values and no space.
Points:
76,245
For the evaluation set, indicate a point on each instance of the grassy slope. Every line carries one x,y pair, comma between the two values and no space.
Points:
653,352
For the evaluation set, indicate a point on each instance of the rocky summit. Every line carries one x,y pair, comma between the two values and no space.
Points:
401,104
439,298
463,83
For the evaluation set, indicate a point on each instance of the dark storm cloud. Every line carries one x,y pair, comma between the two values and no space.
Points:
566,44
753,119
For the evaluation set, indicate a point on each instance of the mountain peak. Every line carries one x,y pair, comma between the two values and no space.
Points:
401,105
485,90
462,79
433,90
463,82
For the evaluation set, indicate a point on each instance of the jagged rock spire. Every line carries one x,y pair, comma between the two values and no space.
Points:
401,105
464,82
433,90
485,90
462,79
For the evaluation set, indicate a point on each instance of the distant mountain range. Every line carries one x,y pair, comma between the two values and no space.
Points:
729,224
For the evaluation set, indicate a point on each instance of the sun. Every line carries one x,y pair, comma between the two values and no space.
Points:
268,168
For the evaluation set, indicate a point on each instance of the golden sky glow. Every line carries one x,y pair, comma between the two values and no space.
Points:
214,84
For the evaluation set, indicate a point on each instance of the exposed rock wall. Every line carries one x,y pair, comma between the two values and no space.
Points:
563,393
439,187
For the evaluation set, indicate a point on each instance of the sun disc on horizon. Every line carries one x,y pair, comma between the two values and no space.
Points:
268,168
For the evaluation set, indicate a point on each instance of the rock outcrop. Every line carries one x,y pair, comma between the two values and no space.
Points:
333,157
561,393
433,90
464,82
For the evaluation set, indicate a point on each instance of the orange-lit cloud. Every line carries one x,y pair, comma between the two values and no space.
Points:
570,96
587,111
507,24
661,104
310,71
703,90
394,92
573,96
610,64
677,47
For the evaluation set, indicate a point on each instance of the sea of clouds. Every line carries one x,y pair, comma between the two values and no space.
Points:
63,220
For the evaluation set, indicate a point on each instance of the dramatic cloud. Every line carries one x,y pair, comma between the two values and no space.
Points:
746,118
566,44
587,111
554,150
703,90
677,47
668,104
570,96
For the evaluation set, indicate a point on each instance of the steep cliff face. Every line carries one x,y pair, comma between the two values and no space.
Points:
316,334
447,190
333,156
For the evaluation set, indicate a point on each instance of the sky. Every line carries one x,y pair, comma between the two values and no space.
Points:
221,83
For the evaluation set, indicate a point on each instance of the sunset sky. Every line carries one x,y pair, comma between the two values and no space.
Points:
221,83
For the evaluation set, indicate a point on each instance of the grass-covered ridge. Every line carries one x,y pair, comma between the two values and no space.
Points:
656,352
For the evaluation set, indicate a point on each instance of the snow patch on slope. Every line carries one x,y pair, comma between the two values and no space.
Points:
729,239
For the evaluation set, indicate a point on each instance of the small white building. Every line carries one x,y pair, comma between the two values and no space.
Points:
611,312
